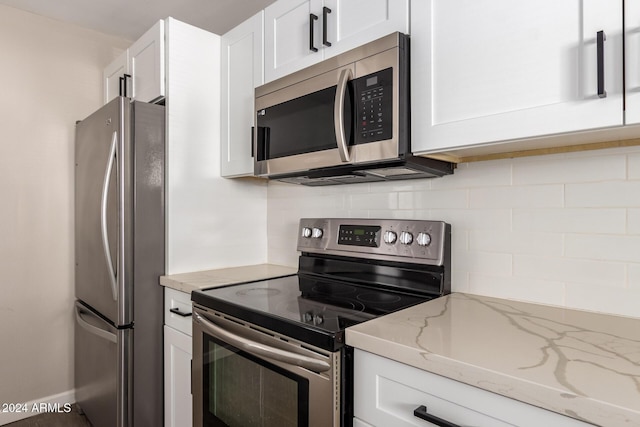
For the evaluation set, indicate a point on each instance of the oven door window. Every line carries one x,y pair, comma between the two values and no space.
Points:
241,390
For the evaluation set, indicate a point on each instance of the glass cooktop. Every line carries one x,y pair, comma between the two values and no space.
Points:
315,310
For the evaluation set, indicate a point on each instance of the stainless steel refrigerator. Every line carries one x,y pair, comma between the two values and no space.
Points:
119,256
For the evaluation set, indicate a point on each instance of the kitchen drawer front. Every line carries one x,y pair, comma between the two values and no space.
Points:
387,393
180,303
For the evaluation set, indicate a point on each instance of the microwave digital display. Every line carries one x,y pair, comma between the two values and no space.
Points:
374,107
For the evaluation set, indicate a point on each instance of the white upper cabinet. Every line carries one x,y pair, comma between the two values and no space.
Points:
144,63
299,33
351,23
242,68
288,33
146,59
485,71
113,74
632,60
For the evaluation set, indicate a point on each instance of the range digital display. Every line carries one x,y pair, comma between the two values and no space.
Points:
358,235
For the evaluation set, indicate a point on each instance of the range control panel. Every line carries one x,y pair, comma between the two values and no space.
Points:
424,242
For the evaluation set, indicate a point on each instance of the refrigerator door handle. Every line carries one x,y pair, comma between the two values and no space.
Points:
103,215
93,329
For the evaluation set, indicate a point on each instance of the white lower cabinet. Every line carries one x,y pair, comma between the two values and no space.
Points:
387,393
177,359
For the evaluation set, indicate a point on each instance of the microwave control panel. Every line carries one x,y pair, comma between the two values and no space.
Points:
374,106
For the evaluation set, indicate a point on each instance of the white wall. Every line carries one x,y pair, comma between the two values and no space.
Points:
557,229
50,76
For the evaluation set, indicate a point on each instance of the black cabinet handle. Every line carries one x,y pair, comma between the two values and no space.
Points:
179,313
600,38
421,412
325,12
312,18
127,80
121,89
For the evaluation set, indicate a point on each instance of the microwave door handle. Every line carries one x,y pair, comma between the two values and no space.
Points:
259,349
338,114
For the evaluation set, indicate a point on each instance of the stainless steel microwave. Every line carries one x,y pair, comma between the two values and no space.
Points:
343,120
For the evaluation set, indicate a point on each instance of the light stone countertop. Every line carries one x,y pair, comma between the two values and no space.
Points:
581,364
187,282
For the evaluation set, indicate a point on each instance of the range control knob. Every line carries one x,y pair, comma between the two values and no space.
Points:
316,233
318,319
390,237
306,232
406,238
423,239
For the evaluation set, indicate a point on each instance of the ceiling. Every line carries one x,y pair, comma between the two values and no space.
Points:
129,19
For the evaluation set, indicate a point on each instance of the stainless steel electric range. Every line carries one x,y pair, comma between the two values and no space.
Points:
272,352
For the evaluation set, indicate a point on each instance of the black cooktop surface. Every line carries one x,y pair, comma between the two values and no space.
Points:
309,308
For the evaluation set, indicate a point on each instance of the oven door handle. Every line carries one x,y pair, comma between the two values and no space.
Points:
259,349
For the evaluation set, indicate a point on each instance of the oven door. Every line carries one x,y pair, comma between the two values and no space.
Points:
243,377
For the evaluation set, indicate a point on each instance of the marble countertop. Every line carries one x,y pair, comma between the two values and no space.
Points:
581,364
187,282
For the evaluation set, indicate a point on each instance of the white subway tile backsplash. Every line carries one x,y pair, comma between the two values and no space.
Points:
440,199
602,273
474,219
633,276
633,221
634,165
492,263
540,291
596,298
561,229
459,281
603,247
538,196
610,221
603,194
564,169
480,174
375,200
546,244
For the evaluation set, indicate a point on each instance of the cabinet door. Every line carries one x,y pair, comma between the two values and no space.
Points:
242,72
287,44
146,62
632,60
352,23
495,70
177,379
112,74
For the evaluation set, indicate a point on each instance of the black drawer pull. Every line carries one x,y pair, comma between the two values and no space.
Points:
179,313
421,412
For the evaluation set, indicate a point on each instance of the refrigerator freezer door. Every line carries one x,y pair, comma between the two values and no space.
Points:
102,206
102,374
